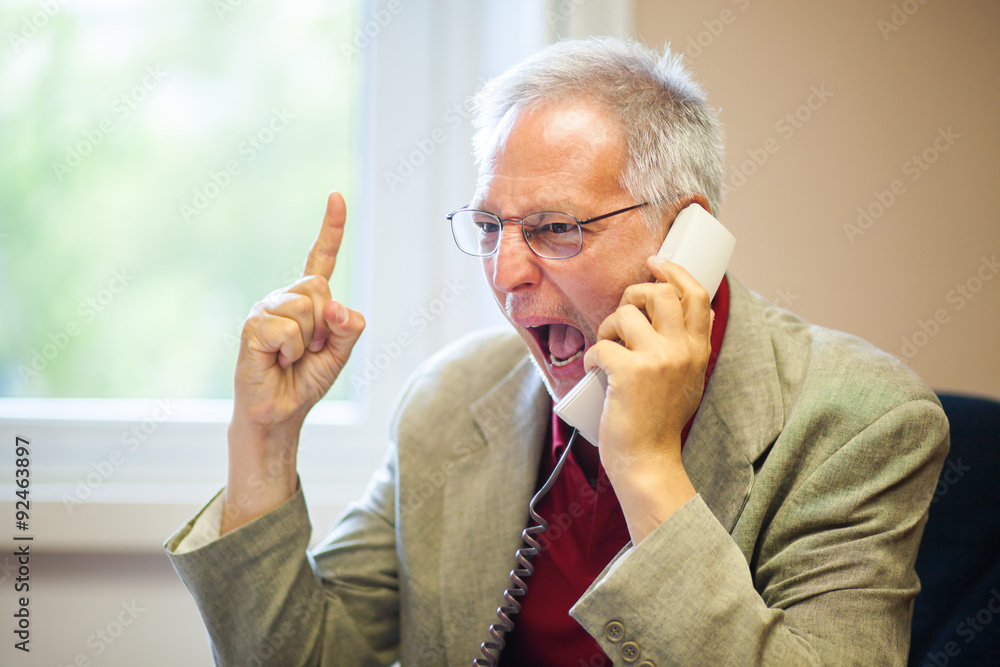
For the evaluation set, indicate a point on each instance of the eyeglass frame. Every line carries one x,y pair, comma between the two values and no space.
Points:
520,221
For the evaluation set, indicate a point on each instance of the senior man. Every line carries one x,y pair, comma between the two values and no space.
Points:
759,490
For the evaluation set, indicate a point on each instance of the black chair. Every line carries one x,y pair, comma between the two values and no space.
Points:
956,616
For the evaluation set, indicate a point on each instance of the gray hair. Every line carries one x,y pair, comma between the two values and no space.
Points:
673,138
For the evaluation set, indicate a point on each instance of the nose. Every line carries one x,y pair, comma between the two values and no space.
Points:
513,266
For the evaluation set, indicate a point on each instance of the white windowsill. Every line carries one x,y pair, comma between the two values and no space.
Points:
127,410
162,460
130,527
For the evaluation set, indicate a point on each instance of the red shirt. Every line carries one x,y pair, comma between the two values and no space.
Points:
586,530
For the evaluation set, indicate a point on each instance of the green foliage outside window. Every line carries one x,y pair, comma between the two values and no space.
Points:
163,165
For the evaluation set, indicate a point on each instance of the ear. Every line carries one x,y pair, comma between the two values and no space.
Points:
694,198
681,203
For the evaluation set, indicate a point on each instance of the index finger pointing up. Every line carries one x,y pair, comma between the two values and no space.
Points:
323,254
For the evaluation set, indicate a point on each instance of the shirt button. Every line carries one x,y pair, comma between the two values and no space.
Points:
647,663
630,652
614,631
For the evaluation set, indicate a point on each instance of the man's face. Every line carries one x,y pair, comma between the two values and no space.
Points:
563,157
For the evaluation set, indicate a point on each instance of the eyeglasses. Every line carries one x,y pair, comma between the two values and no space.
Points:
549,234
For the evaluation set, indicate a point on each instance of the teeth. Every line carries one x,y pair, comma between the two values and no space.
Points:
565,362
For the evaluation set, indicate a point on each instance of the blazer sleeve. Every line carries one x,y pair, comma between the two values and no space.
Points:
266,601
830,578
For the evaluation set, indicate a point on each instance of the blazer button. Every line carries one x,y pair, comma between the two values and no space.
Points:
614,631
630,652
647,663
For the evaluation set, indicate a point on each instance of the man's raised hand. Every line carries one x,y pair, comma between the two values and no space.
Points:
297,340
294,344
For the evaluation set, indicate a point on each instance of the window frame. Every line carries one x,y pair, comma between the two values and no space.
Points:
343,439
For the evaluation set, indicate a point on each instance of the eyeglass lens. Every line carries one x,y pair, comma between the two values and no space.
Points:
548,234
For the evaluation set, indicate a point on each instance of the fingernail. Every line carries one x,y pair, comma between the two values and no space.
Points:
656,259
317,345
343,315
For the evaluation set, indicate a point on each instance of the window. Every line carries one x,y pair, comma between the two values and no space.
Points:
164,167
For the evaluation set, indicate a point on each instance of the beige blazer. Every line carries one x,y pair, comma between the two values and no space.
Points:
814,454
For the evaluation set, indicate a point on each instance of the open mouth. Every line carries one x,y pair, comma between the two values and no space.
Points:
562,343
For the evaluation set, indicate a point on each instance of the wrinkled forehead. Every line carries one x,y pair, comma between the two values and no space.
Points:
553,150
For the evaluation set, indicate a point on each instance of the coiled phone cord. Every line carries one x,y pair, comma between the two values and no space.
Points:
491,649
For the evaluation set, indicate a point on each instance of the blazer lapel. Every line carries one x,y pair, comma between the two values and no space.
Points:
486,506
741,412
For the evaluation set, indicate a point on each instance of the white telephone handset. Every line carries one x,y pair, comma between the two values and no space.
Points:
699,243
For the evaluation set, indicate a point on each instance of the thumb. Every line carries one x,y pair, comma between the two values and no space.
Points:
345,327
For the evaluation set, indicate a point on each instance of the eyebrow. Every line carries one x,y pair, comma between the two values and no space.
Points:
558,206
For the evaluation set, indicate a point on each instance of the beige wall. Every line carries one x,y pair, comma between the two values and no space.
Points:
891,92
889,99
